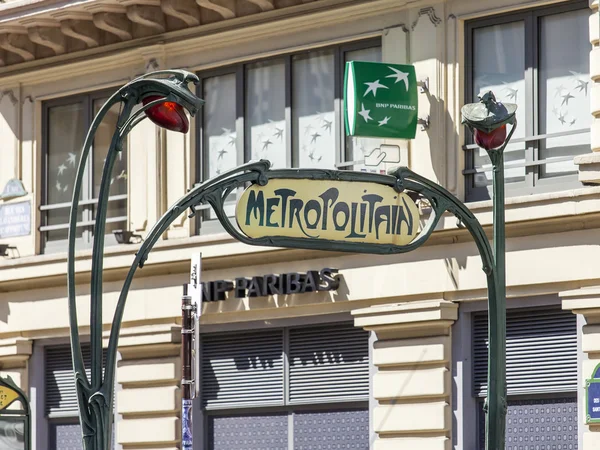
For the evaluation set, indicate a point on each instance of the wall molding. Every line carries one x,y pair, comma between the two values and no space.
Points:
430,12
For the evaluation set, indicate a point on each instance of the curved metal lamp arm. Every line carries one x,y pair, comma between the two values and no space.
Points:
95,404
78,364
242,174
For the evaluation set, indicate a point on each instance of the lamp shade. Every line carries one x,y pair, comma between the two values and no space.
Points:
488,114
491,140
169,115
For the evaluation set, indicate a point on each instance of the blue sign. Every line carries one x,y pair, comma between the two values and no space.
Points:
13,189
15,219
592,396
593,401
186,425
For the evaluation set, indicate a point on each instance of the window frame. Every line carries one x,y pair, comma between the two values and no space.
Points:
87,202
287,408
204,226
533,183
474,409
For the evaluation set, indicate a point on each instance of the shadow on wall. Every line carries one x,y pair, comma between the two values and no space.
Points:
249,366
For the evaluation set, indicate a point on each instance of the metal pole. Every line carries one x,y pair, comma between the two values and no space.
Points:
496,395
187,381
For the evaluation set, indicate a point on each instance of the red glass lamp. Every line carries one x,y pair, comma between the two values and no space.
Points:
488,119
168,115
491,140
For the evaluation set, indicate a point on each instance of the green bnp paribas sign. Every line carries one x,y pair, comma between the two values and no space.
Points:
380,100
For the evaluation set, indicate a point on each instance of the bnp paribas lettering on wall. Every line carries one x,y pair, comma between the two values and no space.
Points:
380,100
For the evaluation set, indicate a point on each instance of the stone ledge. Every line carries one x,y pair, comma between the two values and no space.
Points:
585,301
149,401
410,319
150,341
412,418
412,383
158,371
14,352
411,351
153,431
589,167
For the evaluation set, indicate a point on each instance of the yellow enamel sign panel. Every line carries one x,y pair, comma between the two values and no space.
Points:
7,396
330,210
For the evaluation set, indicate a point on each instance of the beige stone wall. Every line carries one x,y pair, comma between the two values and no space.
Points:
413,337
412,385
149,398
589,165
586,301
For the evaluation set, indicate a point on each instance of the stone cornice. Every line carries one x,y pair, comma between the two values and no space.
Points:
14,352
224,32
410,319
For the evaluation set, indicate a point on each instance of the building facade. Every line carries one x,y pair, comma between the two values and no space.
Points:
393,356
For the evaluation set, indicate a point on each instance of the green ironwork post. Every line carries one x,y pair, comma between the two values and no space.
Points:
496,400
95,395
487,120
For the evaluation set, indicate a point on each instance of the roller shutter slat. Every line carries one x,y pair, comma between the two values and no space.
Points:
242,369
328,363
61,396
541,352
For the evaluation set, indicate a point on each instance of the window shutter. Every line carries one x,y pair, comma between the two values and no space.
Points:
242,369
541,352
328,363
61,395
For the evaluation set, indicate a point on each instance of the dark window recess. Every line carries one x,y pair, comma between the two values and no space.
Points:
64,431
537,424
61,396
541,373
315,430
248,432
538,59
312,430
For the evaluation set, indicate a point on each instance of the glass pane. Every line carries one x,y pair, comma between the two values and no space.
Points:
66,132
65,436
218,127
265,112
12,433
219,134
118,181
359,147
503,72
331,429
313,109
249,432
564,89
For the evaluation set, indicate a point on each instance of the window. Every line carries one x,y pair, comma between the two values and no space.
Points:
539,60
65,124
64,431
541,373
286,109
275,389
